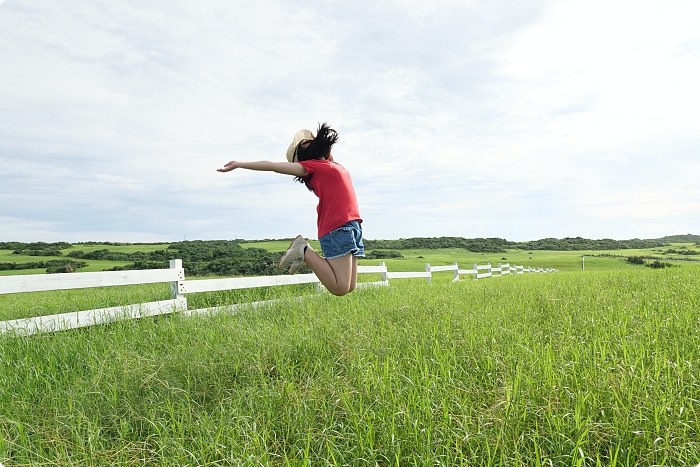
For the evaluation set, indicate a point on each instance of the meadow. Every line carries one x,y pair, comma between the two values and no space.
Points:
595,260
93,265
414,259
594,367
15,306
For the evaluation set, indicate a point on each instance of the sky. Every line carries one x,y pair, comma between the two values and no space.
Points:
518,119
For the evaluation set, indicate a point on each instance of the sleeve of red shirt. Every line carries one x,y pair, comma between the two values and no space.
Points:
309,167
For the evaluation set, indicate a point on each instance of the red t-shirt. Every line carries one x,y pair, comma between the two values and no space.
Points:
337,203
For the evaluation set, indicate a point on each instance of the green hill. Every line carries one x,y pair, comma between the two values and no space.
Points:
687,238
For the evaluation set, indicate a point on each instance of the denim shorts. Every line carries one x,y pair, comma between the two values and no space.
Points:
343,240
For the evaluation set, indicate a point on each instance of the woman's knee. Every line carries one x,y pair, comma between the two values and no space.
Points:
338,290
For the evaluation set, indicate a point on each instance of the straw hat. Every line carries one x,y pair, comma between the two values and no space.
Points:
292,149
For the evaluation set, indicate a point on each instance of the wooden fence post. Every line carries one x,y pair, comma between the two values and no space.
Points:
427,269
385,277
476,272
177,288
456,278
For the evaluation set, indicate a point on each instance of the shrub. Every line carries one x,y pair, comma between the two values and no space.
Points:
383,254
139,265
635,260
44,252
58,263
66,268
659,265
50,264
7,266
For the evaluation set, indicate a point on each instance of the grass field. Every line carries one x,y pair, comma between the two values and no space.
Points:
93,265
414,260
14,306
597,368
27,305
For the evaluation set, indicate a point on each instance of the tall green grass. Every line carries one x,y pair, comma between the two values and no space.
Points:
561,369
27,305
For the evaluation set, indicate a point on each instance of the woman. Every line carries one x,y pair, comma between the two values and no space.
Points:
309,159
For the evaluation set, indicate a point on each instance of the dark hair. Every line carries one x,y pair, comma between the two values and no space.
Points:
320,148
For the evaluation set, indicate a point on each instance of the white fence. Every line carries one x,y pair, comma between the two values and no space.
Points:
179,287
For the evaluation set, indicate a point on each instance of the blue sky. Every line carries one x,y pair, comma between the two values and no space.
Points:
512,119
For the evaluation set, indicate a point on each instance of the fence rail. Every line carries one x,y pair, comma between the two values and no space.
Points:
179,287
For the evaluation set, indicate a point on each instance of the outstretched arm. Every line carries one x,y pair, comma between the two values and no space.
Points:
287,168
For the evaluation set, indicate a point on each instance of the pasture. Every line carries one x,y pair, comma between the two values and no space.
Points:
93,265
593,368
15,306
596,260
414,260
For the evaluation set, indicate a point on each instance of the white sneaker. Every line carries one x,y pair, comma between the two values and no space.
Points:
295,252
296,266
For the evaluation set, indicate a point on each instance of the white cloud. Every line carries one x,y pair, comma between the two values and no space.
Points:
614,73
518,120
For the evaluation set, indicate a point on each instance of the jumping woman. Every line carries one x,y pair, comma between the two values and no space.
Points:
339,224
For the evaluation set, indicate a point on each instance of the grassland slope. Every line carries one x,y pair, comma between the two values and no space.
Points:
598,368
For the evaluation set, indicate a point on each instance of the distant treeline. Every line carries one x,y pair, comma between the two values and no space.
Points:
500,245
686,252
107,255
200,257
124,243
52,265
578,243
36,248
54,249
480,245
216,257
688,238
229,258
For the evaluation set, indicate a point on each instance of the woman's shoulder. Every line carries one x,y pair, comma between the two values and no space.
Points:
317,162
323,165
320,164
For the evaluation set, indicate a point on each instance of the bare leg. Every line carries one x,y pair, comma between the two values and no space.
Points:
338,275
353,276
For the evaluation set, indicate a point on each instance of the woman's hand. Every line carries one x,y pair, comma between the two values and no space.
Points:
229,167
